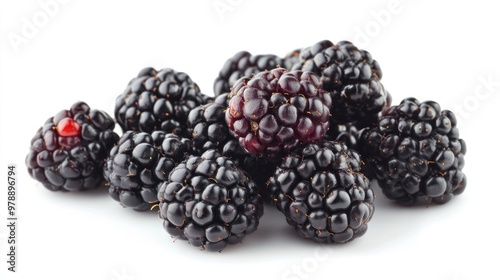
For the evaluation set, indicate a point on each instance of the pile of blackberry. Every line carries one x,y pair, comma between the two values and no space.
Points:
310,133
208,130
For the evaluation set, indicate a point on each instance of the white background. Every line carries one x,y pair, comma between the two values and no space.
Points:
89,50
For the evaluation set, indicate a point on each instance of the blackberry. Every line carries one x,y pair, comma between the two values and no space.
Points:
291,59
210,202
68,152
243,64
206,99
274,111
322,192
353,78
349,134
339,64
416,153
158,100
346,133
209,130
139,163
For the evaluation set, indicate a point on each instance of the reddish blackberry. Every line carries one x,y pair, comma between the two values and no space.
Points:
416,153
353,78
274,111
208,129
139,163
322,192
210,202
243,64
68,152
158,100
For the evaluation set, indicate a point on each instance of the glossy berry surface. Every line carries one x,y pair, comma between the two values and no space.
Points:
274,111
68,152
292,58
139,163
243,64
416,153
353,78
348,134
68,127
210,202
158,100
207,126
209,130
322,192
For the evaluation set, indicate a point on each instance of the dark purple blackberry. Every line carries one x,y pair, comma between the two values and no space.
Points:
291,59
139,163
205,99
68,152
322,192
274,111
158,100
243,64
339,64
348,134
207,127
416,153
209,130
353,78
210,202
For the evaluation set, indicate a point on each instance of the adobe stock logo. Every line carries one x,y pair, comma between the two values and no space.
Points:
222,7
31,26
380,19
309,265
484,90
122,274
